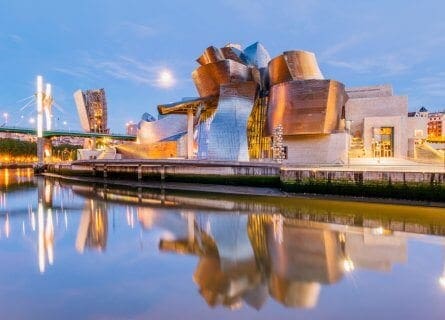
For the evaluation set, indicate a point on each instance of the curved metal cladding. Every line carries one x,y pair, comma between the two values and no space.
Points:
227,133
234,54
303,65
164,128
279,71
208,78
210,55
306,106
256,55
294,65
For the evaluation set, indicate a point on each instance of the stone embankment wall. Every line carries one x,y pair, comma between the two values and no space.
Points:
234,173
377,183
429,186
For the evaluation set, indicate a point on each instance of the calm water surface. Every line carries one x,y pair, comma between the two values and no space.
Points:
90,252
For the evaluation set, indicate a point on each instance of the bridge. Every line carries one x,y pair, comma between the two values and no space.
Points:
58,133
94,125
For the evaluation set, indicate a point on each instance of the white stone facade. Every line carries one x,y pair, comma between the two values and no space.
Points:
317,149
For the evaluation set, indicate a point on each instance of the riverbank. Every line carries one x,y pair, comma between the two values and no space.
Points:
226,190
404,184
16,165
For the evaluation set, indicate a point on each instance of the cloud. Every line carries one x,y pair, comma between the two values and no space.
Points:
391,59
387,65
341,46
131,69
15,38
258,11
139,30
78,72
432,85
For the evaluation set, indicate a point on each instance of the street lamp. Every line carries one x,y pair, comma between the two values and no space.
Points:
65,124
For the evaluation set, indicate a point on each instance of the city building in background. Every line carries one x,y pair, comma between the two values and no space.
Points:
436,125
92,109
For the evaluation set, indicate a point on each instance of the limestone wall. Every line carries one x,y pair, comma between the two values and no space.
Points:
400,139
360,108
316,149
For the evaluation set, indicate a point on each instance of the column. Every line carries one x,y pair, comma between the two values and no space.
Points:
189,133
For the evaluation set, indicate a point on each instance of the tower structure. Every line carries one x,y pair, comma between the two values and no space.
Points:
44,101
92,109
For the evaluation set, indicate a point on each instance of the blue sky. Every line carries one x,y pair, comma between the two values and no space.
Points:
123,45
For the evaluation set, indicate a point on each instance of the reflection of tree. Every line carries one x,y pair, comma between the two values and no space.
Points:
93,227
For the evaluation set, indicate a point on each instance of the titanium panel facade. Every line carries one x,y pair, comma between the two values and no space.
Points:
233,53
210,55
294,65
256,55
306,107
243,95
208,78
162,129
227,135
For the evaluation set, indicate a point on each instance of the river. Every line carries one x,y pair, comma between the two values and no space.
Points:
80,251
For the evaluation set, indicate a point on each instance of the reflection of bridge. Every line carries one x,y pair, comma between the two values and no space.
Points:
57,133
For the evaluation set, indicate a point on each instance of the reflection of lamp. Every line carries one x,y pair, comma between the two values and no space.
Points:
348,265
442,281
377,231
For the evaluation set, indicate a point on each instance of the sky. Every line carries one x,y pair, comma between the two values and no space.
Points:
124,46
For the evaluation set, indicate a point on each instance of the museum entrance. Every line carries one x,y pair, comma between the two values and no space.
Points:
383,142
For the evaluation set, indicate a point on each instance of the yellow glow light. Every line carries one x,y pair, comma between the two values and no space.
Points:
348,265
378,231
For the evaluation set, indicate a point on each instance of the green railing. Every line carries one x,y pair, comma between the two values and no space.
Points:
57,133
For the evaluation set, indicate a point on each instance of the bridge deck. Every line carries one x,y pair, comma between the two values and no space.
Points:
57,133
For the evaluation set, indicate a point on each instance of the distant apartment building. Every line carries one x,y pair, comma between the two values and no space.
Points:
74,141
18,136
436,125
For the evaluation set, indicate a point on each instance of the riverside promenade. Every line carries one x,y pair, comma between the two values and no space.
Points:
419,182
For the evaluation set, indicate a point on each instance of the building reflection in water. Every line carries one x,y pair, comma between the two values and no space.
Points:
93,227
45,225
248,258
244,256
